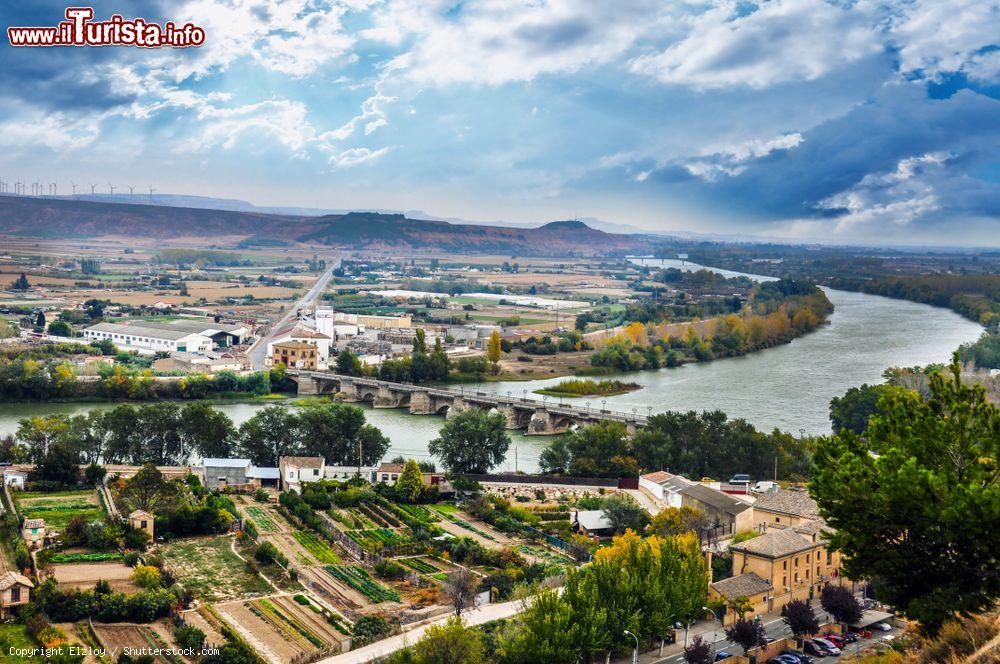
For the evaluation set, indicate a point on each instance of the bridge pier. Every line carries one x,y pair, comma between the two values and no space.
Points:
348,392
421,404
307,386
387,398
458,405
515,418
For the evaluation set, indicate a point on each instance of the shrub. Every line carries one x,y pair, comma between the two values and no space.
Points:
388,569
260,495
189,638
147,576
371,628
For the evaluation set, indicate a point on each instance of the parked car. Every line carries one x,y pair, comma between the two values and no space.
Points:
850,637
814,649
722,654
829,646
740,478
804,658
882,627
836,640
789,658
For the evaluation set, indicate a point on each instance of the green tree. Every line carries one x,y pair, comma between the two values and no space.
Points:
841,603
852,410
474,441
60,328
746,633
624,512
913,503
147,490
348,364
207,431
556,458
338,432
450,643
60,465
440,364
271,433
546,632
40,321
21,283
410,484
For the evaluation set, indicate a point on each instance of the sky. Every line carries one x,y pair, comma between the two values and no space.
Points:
805,120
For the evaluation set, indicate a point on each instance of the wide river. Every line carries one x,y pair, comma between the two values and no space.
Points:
788,387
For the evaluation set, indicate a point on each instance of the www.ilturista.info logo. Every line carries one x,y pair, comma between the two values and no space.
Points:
79,29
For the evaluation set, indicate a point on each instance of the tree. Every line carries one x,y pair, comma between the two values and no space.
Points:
60,328
450,643
147,576
461,589
912,503
60,465
699,652
493,351
338,433
189,638
678,520
348,363
21,283
147,490
800,618
410,483
841,603
746,633
545,633
474,441
270,434
556,458
206,431
625,513
94,474
852,410
440,364
40,321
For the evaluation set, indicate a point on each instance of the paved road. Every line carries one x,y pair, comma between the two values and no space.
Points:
258,351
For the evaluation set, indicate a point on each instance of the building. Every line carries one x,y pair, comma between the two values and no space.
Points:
664,487
732,514
142,520
301,334
592,523
15,590
263,476
33,532
207,363
327,319
756,589
388,473
15,479
295,355
147,338
225,473
297,470
784,507
794,560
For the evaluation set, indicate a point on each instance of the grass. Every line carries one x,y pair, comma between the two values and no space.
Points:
15,635
57,508
211,570
321,550
85,557
588,388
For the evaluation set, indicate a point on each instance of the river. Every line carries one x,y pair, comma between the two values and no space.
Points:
788,386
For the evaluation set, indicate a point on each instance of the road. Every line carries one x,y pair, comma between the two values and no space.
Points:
258,350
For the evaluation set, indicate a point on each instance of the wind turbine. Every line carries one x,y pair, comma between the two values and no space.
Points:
55,189
151,190
92,189
74,189
112,188
131,191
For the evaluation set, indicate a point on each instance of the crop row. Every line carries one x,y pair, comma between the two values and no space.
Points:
85,557
468,526
267,612
359,579
58,507
262,519
320,549
419,565
375,537
418,512
379,515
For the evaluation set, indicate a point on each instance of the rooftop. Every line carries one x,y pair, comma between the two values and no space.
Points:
13,578
593,520
657,477
775,544
391,468
141,329
141,514
226,463
303,461
796,502
263,473
720,501
747,585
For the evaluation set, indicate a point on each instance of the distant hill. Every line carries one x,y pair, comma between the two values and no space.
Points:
66,218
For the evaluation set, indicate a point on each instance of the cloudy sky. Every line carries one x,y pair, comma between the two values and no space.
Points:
853,122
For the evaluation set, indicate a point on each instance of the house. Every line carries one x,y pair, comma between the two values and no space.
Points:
784,507
141,336
33,532
295,355
592,523
794,560
298,333
223,473
732,514
15,590
664,487
388,473
756,589
297,470
344,473
142,520
14,478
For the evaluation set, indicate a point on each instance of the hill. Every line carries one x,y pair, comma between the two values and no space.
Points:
48,218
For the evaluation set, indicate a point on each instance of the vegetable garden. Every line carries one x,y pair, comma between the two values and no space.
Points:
318,548
359,579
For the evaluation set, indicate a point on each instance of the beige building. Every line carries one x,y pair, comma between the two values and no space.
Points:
794,560
295,355
33,532
15,590
756,589
784,507
142,520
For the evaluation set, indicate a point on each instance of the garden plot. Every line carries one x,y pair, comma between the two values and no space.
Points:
359,579
85,575
375,539
210,568
280,628
117,637
59,507
376,515
195,619
338,595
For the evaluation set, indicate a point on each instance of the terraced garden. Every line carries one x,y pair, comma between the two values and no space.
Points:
57,508
376,538
419,513
359,579
419,565
262,520
317,547
381,516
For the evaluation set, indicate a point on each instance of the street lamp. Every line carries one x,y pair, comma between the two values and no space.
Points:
588,405
635,653
508,396
687,625
524,394
604,404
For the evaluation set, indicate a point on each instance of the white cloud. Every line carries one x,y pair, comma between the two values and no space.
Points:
356,156
937,37
897,198
782,41
56,131
716,162
283,120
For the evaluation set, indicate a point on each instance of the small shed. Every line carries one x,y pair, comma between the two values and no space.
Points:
593,523
15,478
142,520
33,532
15,590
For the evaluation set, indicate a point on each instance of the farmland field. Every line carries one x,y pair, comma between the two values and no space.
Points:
86,574
317,547
14,635
358,578
59,507
279,628
374,538
262,520
419,565
120,636
203,562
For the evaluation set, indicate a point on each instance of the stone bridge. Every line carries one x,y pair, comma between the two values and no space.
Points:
539,417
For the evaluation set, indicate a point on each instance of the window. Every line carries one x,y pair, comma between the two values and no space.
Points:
784,564
807,575
777,519
15,594
807,558
315,471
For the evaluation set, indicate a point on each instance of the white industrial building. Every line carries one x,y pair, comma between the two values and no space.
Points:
144,338
300,333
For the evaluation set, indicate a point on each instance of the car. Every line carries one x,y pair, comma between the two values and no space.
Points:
740,478
776,660
721,655
764,486
836,640
829,646
788,658
850,637
882,627
768,639
814,649
804,658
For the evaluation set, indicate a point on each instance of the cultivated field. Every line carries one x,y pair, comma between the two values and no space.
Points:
85,575
57,508
119,636
210,568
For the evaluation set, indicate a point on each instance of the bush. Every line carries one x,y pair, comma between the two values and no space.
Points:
189,638
147,576
371,628
388,569
267,553
261,495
